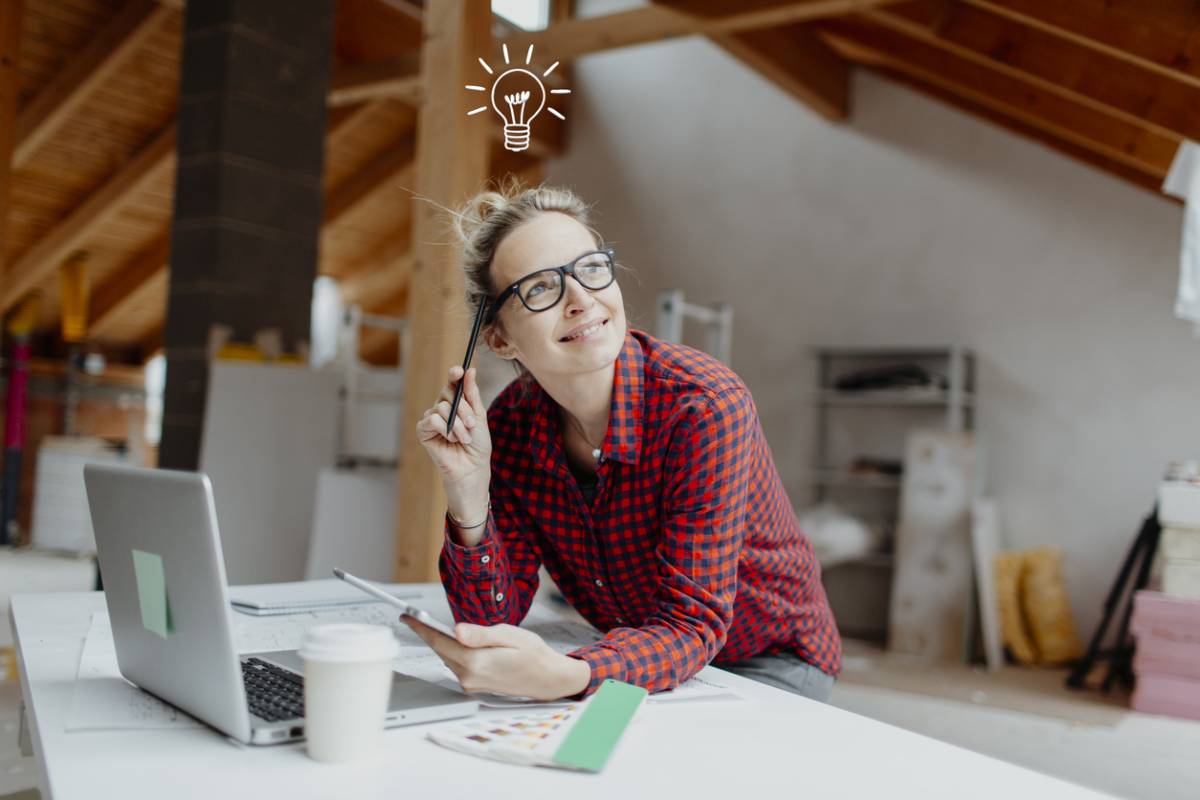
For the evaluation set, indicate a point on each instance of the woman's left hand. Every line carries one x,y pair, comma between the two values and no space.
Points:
504,659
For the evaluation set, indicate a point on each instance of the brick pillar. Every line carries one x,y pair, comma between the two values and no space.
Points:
248,201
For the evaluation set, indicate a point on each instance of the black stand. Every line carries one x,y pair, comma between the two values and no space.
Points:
1120,657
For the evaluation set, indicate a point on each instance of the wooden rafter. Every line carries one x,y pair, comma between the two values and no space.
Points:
1111,85
376,175
581,36
146,271
39,261
1157,35
112,300
11,17
136,22
798,61
399,80
1080,125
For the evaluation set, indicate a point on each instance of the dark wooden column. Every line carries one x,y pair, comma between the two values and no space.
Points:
248,200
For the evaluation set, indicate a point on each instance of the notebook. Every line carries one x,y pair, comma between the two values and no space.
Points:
294,598
580,736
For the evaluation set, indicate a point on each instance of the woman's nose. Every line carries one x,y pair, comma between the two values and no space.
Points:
578,298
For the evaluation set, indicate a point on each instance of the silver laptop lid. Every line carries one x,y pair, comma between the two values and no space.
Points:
164,581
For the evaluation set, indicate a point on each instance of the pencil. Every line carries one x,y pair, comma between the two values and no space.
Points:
462,382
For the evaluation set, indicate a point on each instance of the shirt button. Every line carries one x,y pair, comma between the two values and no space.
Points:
499,596
599,582
485,559
621,620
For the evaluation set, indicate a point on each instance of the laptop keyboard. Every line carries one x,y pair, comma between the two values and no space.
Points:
273,693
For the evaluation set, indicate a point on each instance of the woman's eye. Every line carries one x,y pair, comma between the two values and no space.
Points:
537,289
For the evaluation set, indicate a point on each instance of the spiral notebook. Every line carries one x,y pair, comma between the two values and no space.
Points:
579,737
300,597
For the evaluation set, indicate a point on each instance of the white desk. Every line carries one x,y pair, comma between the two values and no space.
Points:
770,744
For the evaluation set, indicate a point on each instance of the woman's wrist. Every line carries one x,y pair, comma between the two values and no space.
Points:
575,677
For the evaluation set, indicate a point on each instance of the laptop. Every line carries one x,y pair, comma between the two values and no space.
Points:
164,580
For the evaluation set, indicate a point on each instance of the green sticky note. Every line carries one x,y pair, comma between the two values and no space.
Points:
152,593
594,735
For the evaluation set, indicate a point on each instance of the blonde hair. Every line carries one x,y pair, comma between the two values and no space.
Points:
483,221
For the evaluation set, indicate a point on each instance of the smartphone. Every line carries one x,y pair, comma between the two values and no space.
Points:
406,608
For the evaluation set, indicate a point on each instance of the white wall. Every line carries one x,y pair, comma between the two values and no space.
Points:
912,224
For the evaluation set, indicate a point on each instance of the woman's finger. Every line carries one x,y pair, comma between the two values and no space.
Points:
441,414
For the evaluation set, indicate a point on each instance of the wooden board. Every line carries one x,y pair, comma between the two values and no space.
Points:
931,589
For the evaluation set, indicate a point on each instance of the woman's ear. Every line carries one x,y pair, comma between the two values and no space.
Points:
494,337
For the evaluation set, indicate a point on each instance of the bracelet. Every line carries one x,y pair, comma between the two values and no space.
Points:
460,526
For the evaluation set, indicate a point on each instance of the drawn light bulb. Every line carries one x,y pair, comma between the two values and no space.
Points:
518,96
517,106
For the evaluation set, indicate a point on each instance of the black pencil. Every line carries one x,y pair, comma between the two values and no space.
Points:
462,382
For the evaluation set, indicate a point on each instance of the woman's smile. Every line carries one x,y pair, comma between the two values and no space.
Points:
590,332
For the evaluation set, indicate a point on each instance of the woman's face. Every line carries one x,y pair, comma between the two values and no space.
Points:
547,342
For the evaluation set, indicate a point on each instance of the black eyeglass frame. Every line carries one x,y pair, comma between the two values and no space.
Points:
566,269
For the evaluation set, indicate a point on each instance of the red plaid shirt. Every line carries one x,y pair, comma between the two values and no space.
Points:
690,552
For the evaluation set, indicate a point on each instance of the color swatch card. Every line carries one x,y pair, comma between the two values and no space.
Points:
580,736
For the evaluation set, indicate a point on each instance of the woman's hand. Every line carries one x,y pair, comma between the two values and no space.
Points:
463,456
503,659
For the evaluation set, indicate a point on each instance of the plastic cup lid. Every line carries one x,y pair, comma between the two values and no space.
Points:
349,642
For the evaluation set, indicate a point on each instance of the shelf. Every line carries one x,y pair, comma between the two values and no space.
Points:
891,398
843,480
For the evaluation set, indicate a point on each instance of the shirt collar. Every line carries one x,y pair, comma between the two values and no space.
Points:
623,440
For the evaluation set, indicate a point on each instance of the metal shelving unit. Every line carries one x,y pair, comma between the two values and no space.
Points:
875,423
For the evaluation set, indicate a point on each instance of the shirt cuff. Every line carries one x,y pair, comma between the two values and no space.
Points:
471,563
605,663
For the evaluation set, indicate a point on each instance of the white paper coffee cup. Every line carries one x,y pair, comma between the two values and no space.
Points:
347,680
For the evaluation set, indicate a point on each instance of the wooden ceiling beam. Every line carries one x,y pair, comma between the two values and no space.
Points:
1121,171
1084,75
798,61
11,23
124,35
1053,115
40,260
370,179
1157,35
568,40
112,300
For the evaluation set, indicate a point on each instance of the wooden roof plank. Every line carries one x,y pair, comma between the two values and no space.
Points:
1116,140
361,186
799,62
105,54
40,260
12,15
1116,86
581,36
111,300
1159,36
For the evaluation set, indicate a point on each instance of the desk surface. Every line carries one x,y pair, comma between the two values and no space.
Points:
755,747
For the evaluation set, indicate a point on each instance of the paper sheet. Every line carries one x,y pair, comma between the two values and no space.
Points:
103,700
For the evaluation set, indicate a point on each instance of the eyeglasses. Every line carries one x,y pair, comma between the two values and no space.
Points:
541,290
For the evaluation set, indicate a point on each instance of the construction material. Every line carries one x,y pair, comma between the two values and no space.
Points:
1167,662
985,543
61,520
931,593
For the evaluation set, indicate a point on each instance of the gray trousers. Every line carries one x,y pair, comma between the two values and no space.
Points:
785,671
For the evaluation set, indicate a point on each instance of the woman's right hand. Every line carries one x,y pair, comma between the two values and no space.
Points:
463,455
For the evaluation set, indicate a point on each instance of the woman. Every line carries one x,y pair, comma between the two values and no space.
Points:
635,470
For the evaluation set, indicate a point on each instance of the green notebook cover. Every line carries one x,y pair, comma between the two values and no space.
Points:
594,735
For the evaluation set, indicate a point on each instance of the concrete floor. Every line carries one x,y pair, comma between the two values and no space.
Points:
1028,717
